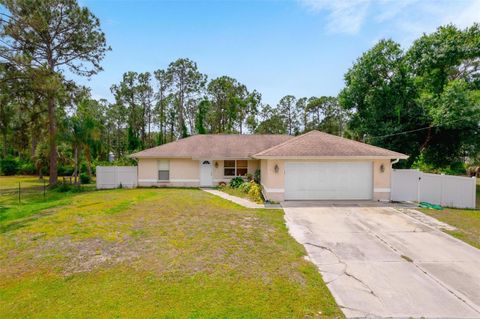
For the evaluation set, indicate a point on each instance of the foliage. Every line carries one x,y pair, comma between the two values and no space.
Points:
454,168
236,182
8,166
245,187
85,178
44,39
422,102
256,176
255,192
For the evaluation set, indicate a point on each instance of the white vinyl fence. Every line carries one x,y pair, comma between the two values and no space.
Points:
114,176
445,190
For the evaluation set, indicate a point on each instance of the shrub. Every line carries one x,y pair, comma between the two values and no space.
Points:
222,184
65,170
456,168
27,168
8,166
256,176
236,182
85,179
245,187
63,187
255,192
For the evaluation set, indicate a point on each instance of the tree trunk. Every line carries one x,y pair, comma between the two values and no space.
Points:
427,140
75,159
52,130
4,143
88,157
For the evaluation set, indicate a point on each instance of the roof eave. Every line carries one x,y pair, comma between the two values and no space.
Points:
400,156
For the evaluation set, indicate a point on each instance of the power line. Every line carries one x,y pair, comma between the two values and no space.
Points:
411,131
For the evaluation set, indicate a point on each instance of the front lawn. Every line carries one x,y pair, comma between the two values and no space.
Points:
151,253
466,220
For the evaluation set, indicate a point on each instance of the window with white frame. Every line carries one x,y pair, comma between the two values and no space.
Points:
163,170
235,168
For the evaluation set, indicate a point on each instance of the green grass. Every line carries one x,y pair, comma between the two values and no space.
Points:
154,253
467,221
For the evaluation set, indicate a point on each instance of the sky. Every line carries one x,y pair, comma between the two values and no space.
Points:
301,47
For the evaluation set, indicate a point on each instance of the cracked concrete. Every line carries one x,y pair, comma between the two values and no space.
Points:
380,262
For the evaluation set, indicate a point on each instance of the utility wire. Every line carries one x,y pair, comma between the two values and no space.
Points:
411,131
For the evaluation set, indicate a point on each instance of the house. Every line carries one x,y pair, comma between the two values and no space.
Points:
312,166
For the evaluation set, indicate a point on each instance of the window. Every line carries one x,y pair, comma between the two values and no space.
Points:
229,168
242,168
163,170
235,168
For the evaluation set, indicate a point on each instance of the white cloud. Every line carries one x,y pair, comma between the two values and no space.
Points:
411,18
345,16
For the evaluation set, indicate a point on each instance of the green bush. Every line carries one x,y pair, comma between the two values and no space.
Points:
255,192
456,168
256,176
65,170
27,168
85,179
8,166
236,182
63,187
245,187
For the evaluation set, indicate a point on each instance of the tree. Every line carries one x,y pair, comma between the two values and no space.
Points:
424,102
286,107
272,122
163,83
446,69
203,109
51,36
381,95
187,85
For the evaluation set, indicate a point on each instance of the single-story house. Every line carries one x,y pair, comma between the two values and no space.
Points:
312,166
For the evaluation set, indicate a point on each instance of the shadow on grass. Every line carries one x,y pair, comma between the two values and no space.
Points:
17,224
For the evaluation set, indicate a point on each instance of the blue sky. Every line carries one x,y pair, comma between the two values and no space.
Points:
299,47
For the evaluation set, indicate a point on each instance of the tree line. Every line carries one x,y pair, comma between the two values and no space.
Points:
424,101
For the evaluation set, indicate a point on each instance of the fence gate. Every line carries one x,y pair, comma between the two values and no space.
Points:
445,190
114,176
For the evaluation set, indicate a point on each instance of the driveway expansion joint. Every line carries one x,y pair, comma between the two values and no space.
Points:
366,244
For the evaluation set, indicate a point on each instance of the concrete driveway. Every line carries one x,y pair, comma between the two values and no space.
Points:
379,262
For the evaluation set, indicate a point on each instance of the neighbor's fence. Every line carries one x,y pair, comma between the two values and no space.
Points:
116,176
22,191
445,190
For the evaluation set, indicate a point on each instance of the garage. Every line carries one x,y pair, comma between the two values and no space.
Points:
329,180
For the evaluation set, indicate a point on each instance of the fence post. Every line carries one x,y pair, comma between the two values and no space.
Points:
419,180
44,189
474,202
19,191
442,182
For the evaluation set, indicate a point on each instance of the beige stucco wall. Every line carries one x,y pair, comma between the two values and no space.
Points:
381,180
274,183
183,172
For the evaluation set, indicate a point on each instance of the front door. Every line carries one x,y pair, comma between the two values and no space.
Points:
206,178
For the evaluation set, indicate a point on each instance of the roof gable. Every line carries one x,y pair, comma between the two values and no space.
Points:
320,144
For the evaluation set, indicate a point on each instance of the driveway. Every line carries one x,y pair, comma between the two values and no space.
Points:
379,262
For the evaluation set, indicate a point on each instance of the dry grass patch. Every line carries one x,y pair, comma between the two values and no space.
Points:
142,253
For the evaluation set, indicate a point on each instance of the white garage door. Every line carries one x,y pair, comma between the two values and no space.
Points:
328,180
